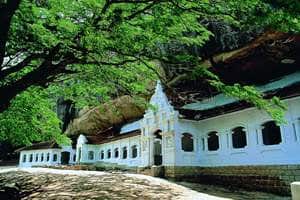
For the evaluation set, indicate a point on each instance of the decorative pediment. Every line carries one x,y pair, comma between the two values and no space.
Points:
159,100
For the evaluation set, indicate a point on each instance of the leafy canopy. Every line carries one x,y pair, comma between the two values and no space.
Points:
30,118
95,50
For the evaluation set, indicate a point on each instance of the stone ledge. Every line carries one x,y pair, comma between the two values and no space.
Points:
270,178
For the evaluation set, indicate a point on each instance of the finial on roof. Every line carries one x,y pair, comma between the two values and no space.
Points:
158,85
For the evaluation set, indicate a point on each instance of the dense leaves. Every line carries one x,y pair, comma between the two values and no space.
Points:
30,118
93,50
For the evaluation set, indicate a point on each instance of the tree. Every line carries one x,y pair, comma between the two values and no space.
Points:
51,38
30,118
107,48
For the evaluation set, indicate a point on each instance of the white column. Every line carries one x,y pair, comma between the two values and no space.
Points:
21,159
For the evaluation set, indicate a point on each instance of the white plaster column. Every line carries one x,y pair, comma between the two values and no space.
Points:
21,158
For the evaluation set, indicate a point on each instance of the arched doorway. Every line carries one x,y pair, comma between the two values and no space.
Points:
65,157
157,147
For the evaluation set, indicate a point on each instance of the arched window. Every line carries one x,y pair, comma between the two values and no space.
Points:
36,157
42,157
116,153
91,155
30,158
124,152
213,141
54,157
134,151
239,139
102,155
271,134
74,158
187,142
48,157
24,158
108,154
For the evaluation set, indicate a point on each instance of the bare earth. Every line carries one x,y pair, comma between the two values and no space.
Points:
43,183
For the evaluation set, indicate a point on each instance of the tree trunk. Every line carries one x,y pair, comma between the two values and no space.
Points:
7,10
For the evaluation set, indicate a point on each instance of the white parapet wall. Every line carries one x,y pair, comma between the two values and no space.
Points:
254,152
295,188
45,157
122,152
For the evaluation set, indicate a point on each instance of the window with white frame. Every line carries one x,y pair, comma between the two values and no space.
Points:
134,151
187,142
213,141
30,157
42,157
101,155
24,158
124,152
36,157
239,138
108,154
54,157
271,134
91,155
48,157
116,152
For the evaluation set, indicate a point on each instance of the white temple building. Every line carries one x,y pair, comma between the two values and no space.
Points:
240,139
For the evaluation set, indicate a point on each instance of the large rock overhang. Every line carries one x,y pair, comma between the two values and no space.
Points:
272,55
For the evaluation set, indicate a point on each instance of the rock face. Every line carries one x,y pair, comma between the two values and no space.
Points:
113,113
78,185
66,111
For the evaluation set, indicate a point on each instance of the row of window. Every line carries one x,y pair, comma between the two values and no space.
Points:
271,135
124,153
36,158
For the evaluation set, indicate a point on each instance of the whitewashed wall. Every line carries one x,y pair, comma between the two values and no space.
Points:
38,154
255,153
162,117
126,142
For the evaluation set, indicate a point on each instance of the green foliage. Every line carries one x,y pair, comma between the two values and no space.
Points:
110,49
274,107
30,118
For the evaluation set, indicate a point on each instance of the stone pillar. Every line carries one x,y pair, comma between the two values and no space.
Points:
295,188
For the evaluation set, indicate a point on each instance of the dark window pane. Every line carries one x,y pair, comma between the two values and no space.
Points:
239,139
187,143
134,151
116,153
124,156
271,133
55,157
109,154
91,155
213,141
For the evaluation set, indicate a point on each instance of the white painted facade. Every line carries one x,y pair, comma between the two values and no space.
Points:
120,146
45,157
254,153
162,132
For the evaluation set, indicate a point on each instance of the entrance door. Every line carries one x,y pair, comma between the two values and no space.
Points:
65,157
157,148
